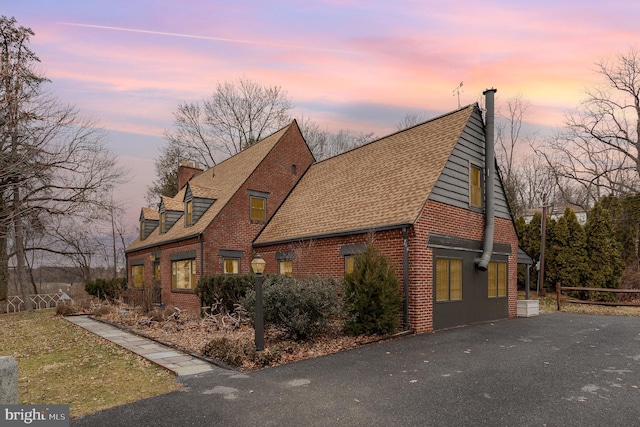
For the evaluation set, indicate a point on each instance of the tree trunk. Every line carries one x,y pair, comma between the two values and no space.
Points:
4,265
113,235
18,230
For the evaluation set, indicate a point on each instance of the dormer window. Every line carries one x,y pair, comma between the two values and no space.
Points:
188,213
163,221
148,222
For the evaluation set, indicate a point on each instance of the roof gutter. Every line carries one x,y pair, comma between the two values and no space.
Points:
164,242
335,234
482,263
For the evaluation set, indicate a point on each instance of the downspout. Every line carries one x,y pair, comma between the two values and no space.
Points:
405,277
482,263
201,256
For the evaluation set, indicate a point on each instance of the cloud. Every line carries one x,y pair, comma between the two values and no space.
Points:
220,39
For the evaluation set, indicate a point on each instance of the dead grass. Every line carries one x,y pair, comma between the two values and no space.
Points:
60,363
548,304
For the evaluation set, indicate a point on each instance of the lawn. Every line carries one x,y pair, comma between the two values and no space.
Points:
60,363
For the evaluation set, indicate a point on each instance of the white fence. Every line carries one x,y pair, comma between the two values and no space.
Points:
39,302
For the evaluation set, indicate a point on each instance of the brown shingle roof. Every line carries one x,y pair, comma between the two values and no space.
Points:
202,191
229,177
149,213
172,204
381,184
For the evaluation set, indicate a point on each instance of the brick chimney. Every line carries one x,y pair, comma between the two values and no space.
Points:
186,171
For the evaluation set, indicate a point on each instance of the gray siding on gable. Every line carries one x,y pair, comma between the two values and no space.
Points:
149,226
200,206
171,217
452,186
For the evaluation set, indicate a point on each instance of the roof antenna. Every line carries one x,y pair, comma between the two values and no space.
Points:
456,91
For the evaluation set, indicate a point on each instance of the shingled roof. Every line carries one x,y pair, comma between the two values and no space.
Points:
150,214
172,204
221,186
380,185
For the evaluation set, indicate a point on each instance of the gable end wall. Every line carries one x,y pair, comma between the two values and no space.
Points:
452,186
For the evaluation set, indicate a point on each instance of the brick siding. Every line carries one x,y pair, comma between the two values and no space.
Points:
322,256
232,228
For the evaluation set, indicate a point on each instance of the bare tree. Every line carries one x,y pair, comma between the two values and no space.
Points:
509,137
337,143
325,144
236,116
536,179
599,147
410,120
54,163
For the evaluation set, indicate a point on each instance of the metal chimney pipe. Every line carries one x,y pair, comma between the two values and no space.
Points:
482,263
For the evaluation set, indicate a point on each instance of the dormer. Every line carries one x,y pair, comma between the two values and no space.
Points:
169,211
149,220
196,202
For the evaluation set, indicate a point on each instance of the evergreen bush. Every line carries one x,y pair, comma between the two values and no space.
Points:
372,298
567,261
106,288
604,251
299,308
229,289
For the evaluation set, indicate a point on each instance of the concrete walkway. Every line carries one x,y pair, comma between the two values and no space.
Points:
166,357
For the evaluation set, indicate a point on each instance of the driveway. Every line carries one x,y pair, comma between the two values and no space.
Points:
556,369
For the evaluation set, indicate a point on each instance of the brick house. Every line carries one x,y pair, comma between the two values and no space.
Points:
420,195
208,227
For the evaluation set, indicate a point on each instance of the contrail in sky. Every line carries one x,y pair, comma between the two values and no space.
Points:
220,39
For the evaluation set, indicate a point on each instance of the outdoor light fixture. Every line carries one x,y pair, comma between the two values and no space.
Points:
152,257
257,265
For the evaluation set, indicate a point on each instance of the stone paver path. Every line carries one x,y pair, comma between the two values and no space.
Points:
167,357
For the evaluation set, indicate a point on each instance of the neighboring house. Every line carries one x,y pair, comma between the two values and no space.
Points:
555,212
208,227
419,195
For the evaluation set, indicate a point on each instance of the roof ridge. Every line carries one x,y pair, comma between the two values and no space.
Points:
253,145
441,116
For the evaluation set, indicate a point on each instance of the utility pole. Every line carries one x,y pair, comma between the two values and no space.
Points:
543,232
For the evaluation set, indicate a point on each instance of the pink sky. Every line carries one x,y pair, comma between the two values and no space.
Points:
350,64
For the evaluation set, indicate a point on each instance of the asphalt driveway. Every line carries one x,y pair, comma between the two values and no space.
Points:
552,370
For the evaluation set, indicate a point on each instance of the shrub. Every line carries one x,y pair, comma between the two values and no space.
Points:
372,298
240,350
106,288
299,308
227,288
65,309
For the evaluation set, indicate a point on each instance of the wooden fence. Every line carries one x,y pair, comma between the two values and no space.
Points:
559,290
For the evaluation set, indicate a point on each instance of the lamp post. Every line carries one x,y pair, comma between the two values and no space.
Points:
257,265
